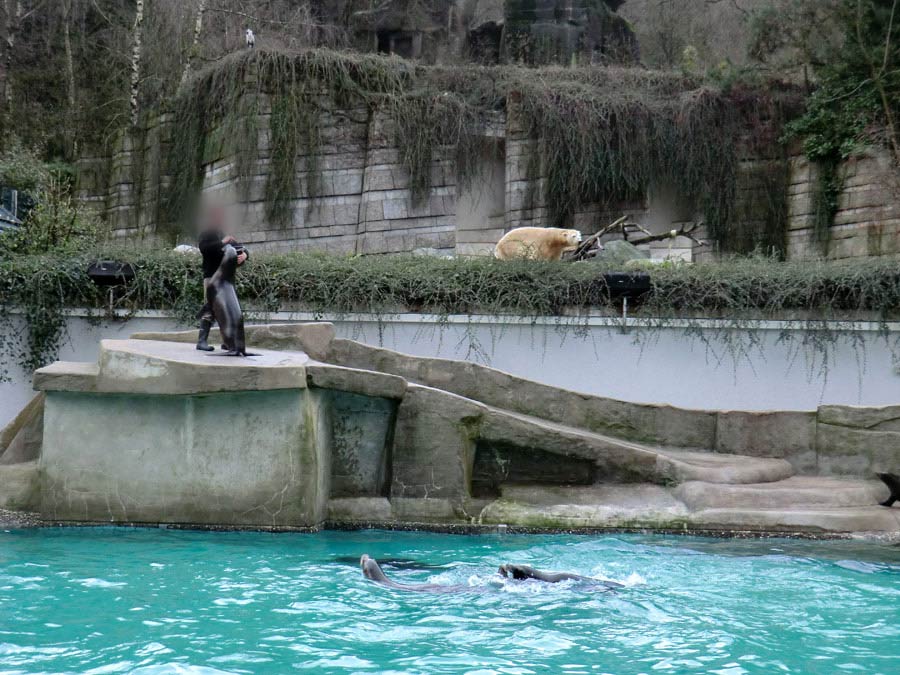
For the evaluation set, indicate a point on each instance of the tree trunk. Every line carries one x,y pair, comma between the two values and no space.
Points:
70,73
195,42
136,52
14,11
878,72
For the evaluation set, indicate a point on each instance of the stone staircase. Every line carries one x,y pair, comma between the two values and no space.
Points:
618,457
679,488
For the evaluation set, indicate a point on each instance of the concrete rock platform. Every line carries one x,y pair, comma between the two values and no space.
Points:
158,367
315,429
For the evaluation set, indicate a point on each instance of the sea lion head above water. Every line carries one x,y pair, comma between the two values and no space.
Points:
371,569
517,571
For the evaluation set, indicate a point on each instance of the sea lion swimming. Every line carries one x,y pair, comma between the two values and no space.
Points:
522,572
225,306
372,570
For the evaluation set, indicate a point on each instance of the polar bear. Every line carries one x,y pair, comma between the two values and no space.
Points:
536,243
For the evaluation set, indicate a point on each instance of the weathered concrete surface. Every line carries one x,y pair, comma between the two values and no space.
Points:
158,432
158,367
858,441
313,339
21,439
790,435
67,376
362,434
640,506
359,510
678,466
874,519
429,509
625,461
434,445
248,458
791,493
598,506
785,435
650,423
353,380
19,486
885,418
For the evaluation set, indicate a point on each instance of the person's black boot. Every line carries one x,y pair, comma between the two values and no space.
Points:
202,344
892,480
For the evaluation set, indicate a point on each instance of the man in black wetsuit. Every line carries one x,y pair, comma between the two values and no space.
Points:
212,244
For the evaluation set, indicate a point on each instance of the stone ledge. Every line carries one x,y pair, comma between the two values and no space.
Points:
312,338
355,381
657,508
150,367
66,376
883,418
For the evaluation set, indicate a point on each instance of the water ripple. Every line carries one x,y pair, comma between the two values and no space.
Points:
156,602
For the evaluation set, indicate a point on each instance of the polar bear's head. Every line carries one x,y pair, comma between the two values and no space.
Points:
572,239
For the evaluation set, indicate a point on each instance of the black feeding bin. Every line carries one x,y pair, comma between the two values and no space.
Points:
627,285
109,273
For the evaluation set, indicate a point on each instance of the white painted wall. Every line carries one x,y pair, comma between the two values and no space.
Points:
664,366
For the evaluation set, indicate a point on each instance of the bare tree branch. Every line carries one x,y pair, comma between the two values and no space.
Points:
626,227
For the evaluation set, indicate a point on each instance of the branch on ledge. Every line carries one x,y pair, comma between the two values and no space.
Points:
590,246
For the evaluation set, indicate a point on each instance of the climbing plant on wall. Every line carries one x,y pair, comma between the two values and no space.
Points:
601,135
217,113
857,99
39,288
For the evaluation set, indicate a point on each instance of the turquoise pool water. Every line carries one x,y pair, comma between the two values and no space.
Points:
163,601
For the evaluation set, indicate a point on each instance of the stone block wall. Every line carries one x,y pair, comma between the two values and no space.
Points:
867,222
363,202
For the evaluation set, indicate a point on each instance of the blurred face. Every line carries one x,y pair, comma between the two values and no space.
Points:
213,219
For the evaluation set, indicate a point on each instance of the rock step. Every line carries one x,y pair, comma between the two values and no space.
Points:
807,520
791,493
628,461
656,507
723,469
19,486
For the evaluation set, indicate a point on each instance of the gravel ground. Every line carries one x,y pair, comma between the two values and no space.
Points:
18,519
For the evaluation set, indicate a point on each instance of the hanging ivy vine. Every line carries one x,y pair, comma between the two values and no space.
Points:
600,135
38,288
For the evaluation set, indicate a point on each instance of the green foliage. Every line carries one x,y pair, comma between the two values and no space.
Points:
601,135
608,137
857,99
740,289
55,224
21,168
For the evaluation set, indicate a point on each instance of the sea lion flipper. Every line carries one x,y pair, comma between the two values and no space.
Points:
893,483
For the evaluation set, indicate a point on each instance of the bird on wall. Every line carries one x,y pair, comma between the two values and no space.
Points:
251,38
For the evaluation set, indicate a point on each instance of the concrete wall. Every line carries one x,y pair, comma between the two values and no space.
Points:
671,366
249,458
